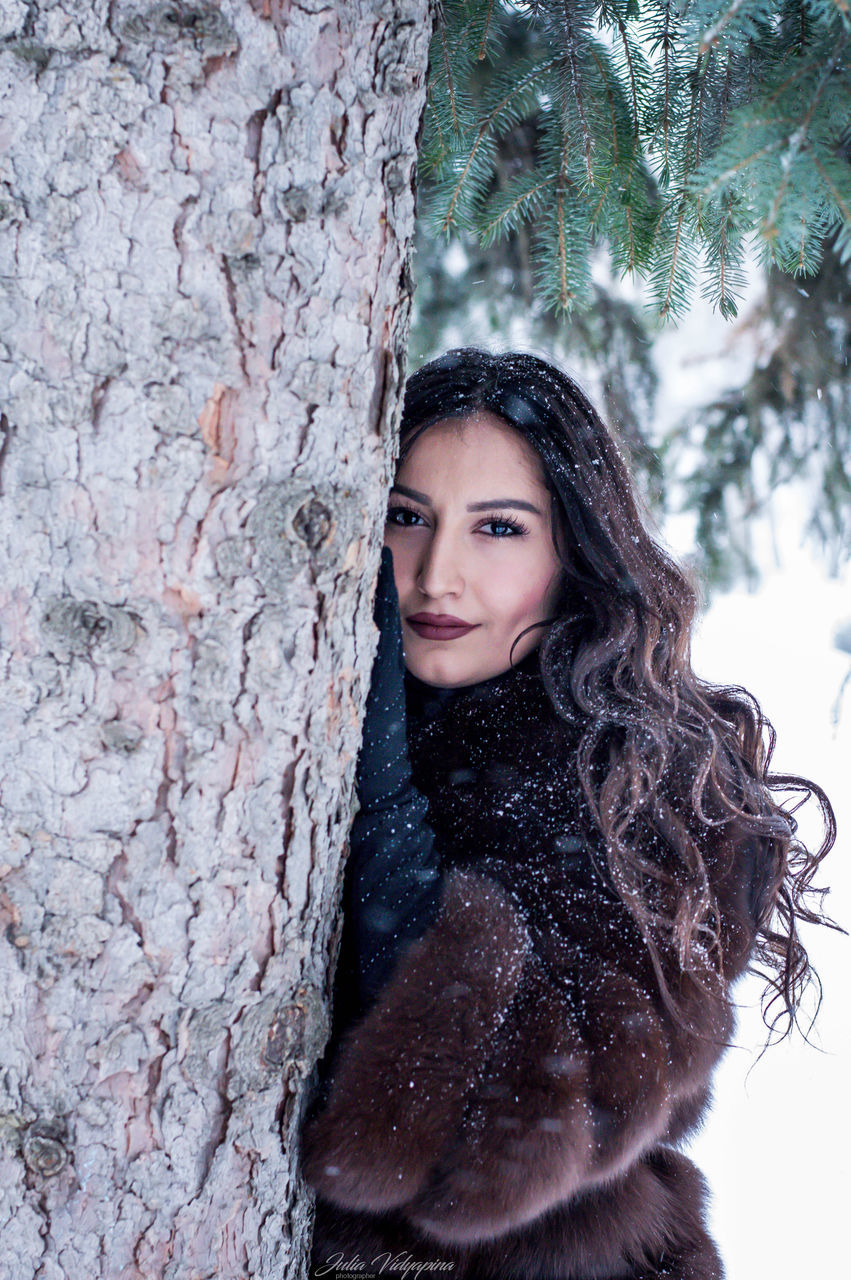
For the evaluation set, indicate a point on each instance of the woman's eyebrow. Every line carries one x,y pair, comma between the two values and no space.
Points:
472,506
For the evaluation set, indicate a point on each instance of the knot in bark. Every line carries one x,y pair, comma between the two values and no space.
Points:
276,1036
43,1147
83,625
167,22
299,523
313,522
298,1032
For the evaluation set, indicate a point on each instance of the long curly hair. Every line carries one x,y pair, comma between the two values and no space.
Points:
662,754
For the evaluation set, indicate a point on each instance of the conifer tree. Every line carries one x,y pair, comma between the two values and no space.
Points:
671,132
789,420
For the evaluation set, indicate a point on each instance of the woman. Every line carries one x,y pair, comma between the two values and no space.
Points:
567,851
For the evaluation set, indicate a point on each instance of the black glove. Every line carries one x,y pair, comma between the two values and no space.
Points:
393,879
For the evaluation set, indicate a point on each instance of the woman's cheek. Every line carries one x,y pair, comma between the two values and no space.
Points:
529,594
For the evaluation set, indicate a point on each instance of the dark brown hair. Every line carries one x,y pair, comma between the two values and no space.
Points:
663,754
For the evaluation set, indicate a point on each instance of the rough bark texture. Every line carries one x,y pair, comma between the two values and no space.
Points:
204,221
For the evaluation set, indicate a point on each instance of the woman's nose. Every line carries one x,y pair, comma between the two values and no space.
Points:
439,571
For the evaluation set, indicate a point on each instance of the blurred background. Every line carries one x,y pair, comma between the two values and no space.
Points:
739,439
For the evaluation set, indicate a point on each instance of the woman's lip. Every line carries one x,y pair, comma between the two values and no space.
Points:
439,620
429,631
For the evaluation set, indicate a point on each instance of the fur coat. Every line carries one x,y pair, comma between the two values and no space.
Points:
510,1106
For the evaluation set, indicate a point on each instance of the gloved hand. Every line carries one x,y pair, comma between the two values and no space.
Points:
383,768
393,879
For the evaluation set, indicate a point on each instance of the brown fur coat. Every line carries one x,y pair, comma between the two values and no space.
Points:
509,1107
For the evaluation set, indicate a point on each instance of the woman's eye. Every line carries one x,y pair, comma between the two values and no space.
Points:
503,528
401,511
513,529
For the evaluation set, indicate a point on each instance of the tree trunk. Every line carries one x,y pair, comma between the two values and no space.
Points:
205,219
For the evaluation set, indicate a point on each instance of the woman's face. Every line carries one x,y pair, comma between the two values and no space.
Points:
493,567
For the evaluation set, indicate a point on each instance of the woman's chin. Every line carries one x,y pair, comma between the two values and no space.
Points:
444,671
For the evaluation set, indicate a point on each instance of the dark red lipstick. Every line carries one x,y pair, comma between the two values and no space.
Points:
439,626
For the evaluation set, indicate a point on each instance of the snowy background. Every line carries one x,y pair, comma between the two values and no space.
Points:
775,1148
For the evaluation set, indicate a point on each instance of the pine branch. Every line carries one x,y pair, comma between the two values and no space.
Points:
802,251
627,52
749,161
666,41
450,84
435,160
520,201
683,129
576,86
725,246
698,135
484,43
565,294
610,97
799,137
667,115
612,169
482,135
710,37
841,203
668,302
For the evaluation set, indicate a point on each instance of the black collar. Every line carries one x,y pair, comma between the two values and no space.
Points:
425,701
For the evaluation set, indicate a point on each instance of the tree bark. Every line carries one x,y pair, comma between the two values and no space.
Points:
205,220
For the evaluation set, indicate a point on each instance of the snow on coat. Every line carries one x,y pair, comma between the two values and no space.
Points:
509,1106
